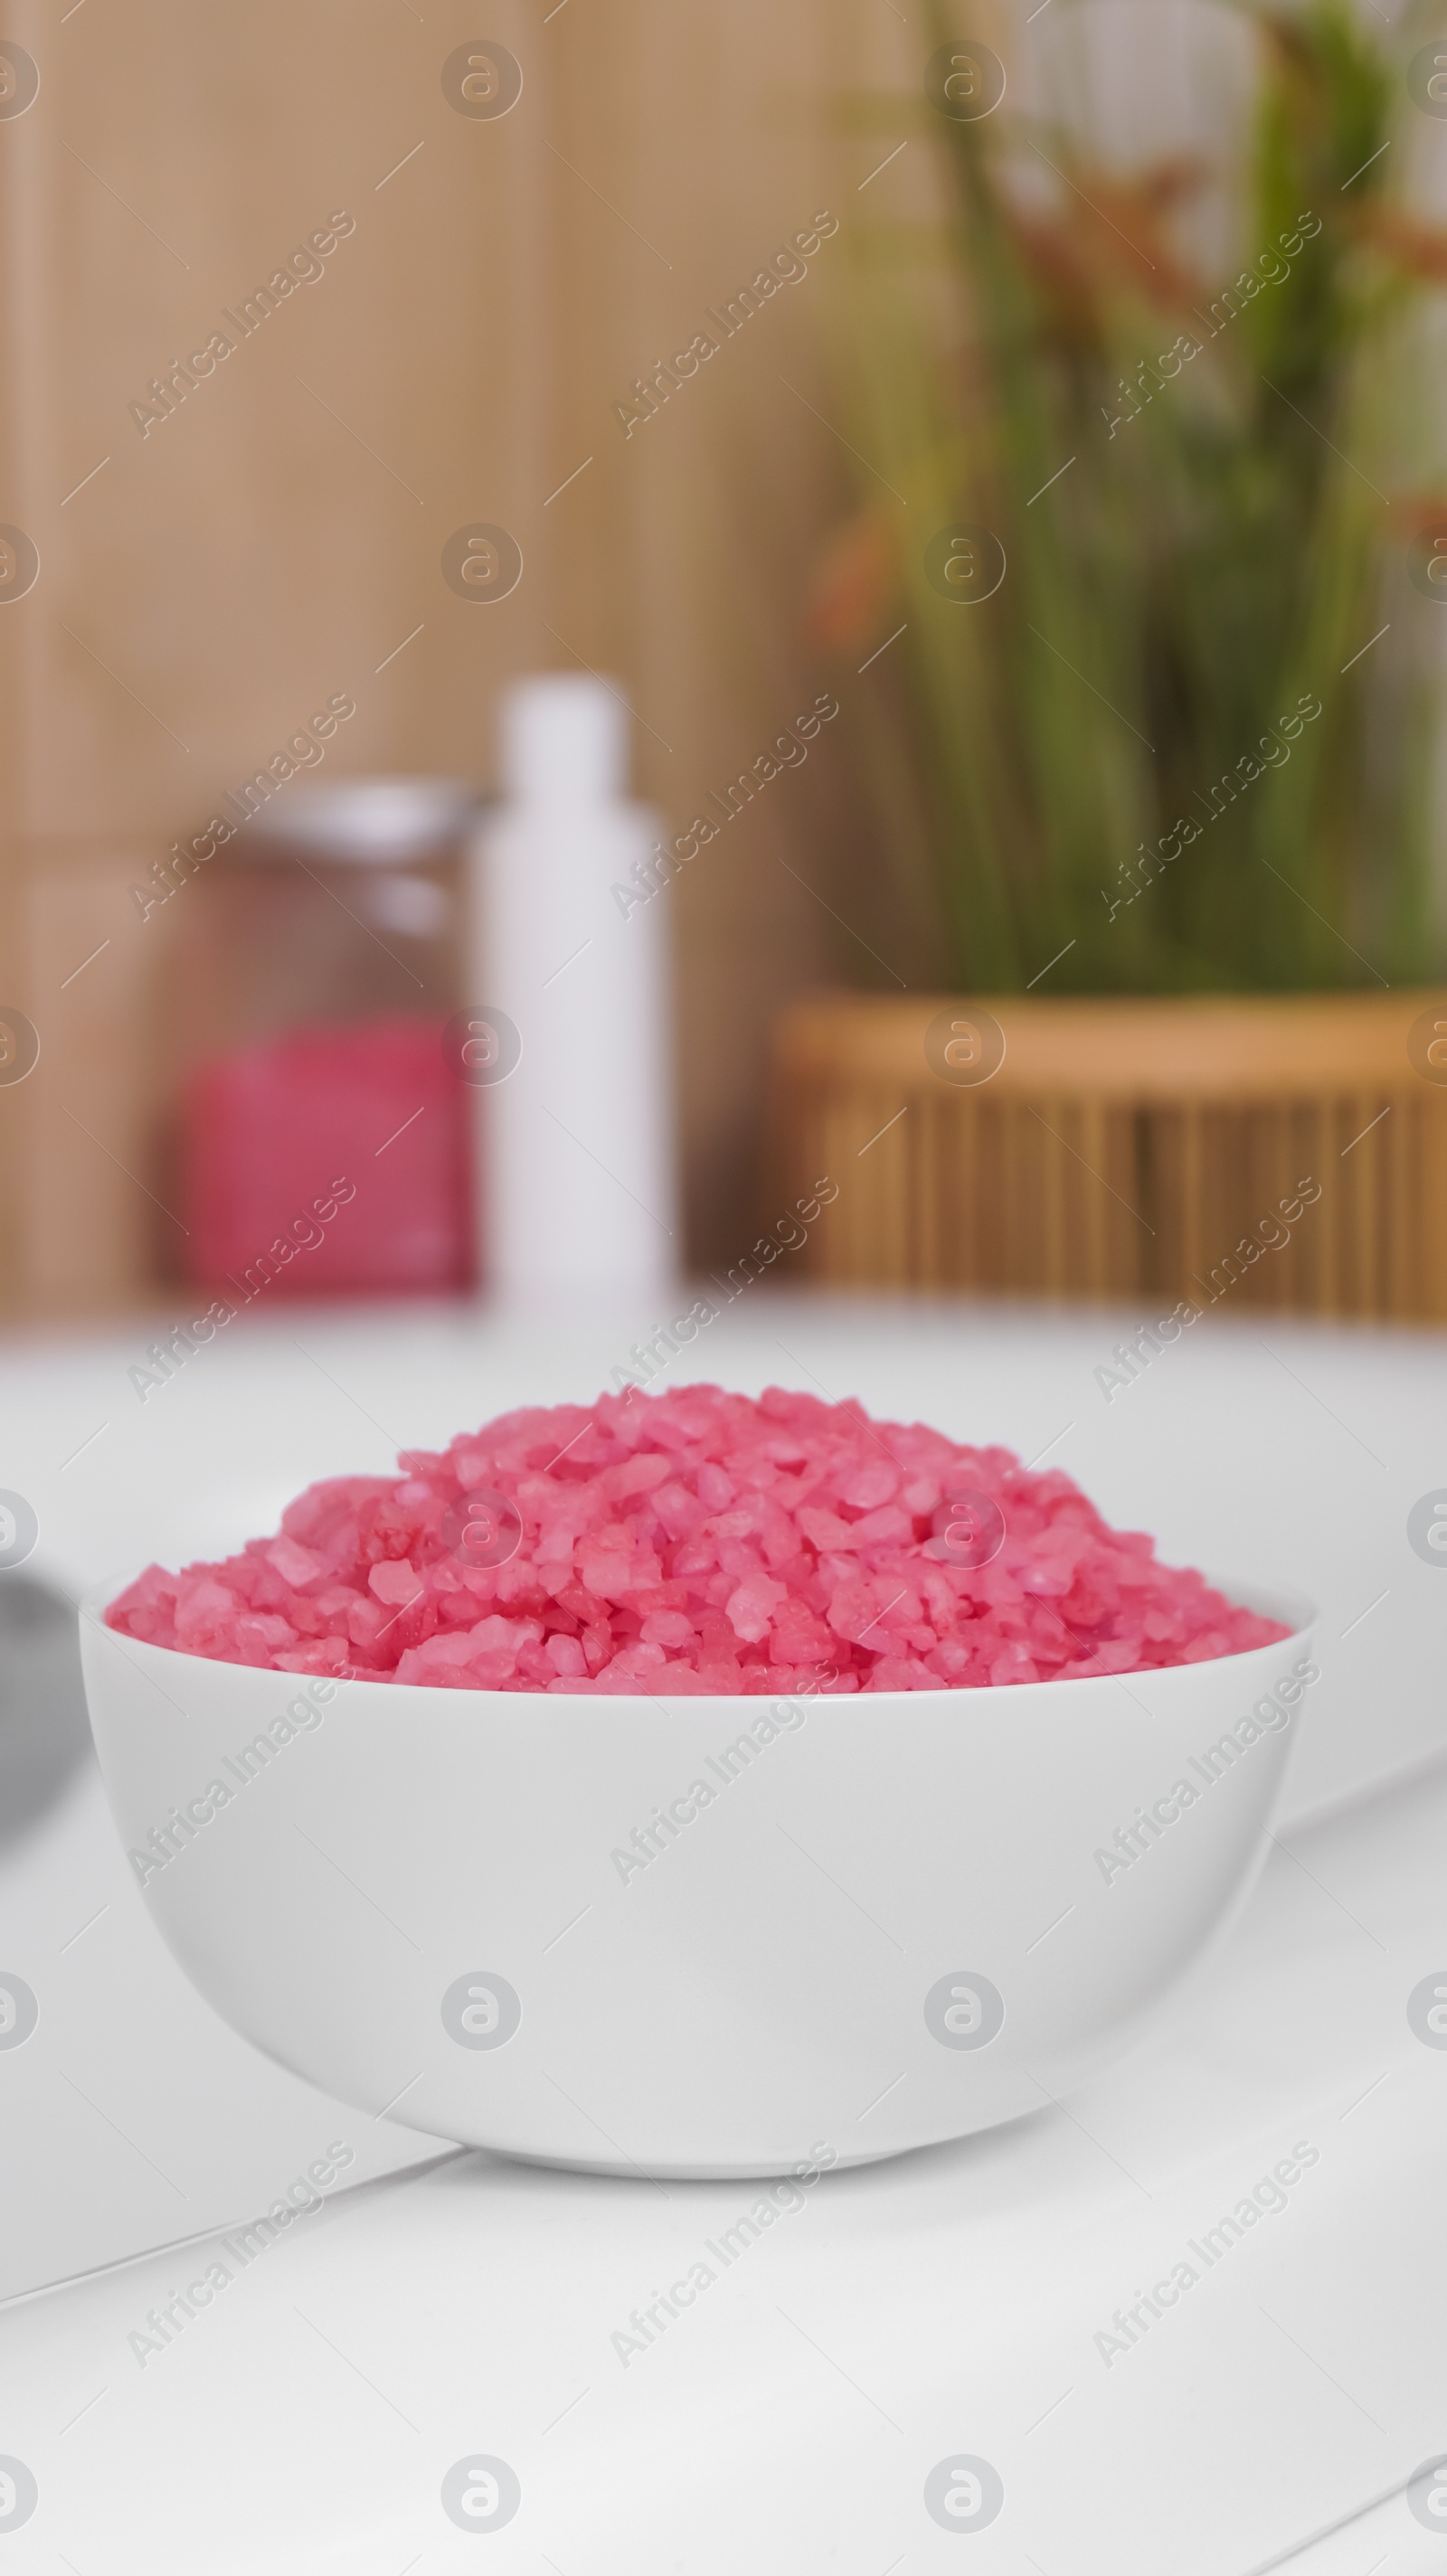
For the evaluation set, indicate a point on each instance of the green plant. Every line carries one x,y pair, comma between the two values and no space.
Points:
1079,763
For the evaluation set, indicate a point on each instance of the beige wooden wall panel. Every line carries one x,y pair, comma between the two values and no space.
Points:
256,550
97,1212
713,131
276,538
273,540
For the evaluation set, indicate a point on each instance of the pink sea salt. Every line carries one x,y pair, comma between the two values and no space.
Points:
694,1542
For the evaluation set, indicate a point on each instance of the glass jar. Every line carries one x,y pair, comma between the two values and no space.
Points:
320,1142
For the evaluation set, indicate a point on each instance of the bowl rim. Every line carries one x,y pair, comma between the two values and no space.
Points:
1294,1609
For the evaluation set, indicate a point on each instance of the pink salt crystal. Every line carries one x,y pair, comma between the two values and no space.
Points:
257,1640
750,1608
565,1655
295,1564
826,1529
441,1651
667,1628
690,1543
393,1580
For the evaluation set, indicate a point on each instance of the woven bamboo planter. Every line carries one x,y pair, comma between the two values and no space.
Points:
1129,1149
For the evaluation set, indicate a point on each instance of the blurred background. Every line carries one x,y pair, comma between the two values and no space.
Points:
1087,464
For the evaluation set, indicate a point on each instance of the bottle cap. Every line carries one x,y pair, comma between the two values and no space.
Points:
564,739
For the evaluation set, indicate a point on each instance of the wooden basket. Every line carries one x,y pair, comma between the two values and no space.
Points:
1128,1149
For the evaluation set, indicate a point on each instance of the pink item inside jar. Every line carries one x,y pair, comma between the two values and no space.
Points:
327,1160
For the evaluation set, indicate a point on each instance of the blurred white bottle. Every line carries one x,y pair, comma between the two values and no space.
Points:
576,1186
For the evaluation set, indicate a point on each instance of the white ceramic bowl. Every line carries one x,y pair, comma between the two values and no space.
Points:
897,1918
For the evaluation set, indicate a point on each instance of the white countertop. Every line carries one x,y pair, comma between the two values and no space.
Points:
947,2302
943,2304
